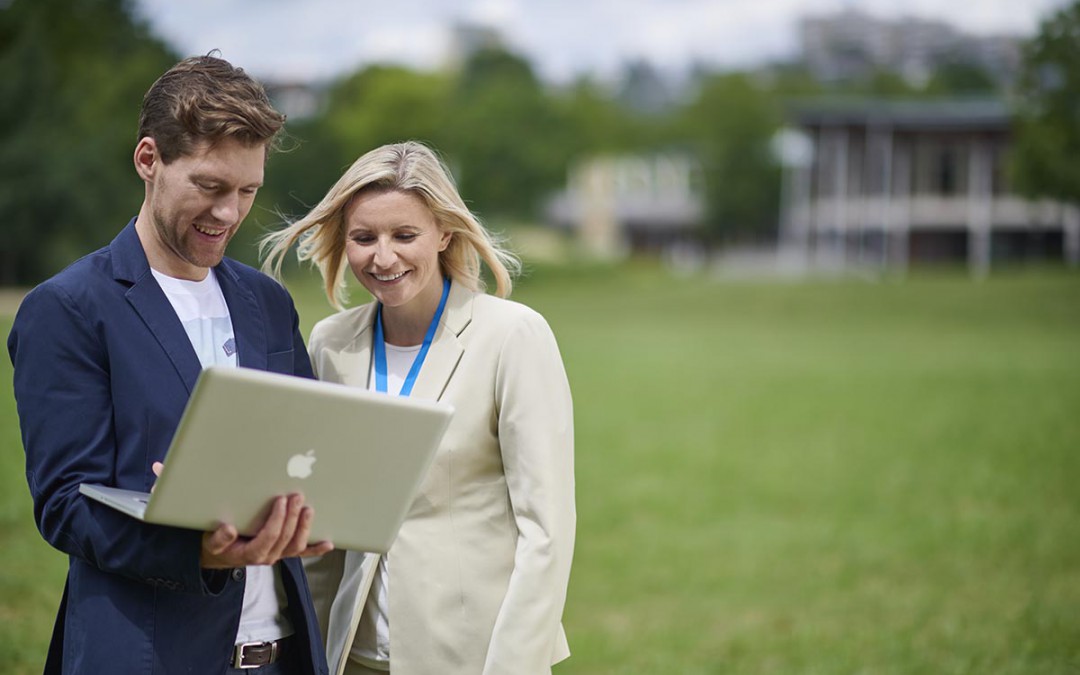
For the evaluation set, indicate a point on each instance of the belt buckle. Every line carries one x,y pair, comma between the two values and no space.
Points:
238,654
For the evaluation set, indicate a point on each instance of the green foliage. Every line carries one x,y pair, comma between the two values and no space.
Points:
959,77
793,80
1048,123
503,134
72,75
374,106
385,104
730,125
887,84
596,124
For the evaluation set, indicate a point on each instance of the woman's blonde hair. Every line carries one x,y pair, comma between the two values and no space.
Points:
408,167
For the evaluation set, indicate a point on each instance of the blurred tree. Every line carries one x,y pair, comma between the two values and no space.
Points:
961,76
72,77
1048,120
374,106
507,143
594,121
884,83
645,90
385,104
297,176
730,124
793,80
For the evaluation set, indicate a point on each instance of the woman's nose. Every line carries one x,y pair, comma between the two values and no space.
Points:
384,254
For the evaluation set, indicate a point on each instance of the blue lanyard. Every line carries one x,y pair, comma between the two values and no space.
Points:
418,362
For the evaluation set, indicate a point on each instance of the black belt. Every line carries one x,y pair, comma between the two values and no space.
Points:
257,654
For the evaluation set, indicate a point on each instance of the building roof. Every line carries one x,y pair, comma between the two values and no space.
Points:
968,114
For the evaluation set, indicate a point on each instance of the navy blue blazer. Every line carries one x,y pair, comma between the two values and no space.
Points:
103,369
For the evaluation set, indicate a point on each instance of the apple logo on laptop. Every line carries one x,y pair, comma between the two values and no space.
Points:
299,466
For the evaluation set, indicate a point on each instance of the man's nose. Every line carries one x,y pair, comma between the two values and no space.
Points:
226,209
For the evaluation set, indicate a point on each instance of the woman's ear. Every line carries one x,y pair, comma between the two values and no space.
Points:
146,158
444,240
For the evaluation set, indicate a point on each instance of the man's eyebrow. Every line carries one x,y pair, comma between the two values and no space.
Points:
210,178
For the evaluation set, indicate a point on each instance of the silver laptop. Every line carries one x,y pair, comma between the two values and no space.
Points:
246,436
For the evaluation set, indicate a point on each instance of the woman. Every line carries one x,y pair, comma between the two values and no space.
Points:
476,580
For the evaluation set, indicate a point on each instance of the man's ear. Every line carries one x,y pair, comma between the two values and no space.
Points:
147,158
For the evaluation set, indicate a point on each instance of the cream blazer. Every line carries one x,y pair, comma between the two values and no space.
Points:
479,569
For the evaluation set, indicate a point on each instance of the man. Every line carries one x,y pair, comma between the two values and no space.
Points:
106,354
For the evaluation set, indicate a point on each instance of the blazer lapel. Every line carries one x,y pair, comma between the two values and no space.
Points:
149,301
349,363
247,320
446,349
353,365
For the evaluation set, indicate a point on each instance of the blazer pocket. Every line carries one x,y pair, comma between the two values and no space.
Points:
281,362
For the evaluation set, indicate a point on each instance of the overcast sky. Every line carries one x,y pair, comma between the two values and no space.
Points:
324,38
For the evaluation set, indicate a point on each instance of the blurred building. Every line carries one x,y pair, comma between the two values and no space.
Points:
467,38
886,183
645,90
853,45
298,100
615,205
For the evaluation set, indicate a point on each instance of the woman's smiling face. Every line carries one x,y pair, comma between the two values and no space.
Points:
392,244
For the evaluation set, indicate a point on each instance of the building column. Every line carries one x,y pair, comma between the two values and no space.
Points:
980,207
1070,223
599,232
831,225
900,216
882,141
795,218
841,203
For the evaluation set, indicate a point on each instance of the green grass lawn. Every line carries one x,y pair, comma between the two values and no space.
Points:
830,477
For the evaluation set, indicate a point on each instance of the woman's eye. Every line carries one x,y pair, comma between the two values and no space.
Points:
406,236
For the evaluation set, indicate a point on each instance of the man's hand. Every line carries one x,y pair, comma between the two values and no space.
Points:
156,467
283,535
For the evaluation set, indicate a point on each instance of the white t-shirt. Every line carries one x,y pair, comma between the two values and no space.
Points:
372,644
201,308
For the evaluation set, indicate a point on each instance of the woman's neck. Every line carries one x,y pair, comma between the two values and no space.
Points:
402,330
406,325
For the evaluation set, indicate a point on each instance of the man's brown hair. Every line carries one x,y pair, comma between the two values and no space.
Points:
206,98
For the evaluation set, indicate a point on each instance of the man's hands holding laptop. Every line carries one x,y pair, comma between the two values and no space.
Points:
283,535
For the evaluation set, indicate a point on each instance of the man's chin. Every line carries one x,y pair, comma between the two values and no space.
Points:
209,257
213,261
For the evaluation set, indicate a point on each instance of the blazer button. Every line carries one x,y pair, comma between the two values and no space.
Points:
238,574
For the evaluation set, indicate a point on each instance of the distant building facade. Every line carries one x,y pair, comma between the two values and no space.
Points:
645,90
467,39
884,184
615,205
851,45
298,100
